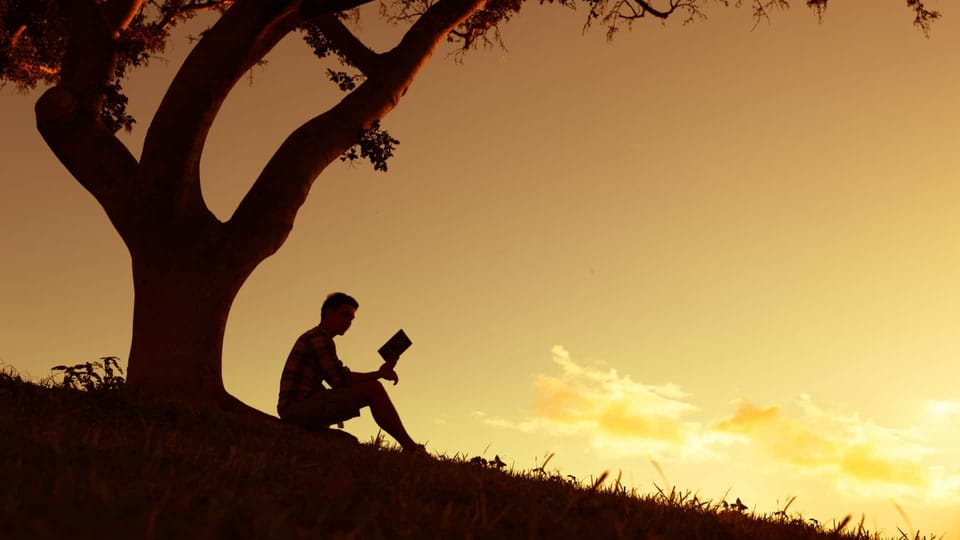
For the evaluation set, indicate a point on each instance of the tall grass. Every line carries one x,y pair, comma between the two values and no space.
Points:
89,464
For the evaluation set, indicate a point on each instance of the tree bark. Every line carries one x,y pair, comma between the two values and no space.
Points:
182,300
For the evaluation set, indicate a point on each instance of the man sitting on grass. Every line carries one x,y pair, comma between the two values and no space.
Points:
305,401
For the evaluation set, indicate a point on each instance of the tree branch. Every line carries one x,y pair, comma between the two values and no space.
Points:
924,17
68,115
266,214
313,8
191,8
89,59
762,8
348,46
175,138
16,35
92,154
645,8
120,13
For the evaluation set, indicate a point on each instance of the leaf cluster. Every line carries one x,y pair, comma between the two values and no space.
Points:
344,80
314,37
376,146
87,377
34,39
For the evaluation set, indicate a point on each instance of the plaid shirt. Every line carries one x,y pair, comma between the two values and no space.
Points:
312,361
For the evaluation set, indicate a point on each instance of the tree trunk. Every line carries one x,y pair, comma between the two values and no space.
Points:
179,316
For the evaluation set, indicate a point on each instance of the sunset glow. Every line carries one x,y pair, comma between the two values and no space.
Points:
705,256
850,454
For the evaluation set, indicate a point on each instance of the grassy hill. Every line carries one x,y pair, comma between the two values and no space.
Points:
88,464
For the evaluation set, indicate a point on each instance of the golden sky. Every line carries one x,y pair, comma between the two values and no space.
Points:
704,256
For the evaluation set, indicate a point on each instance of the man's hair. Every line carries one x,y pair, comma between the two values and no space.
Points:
336,301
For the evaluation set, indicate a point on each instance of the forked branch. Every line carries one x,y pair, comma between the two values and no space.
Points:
265,216
923,17
762,8
646,8
175,138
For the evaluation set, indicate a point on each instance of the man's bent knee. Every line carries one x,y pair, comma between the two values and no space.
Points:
372,388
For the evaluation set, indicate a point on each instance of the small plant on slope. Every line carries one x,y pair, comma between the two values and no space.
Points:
86,377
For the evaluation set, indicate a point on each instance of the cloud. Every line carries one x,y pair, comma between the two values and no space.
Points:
863,455
596,398
944,409
621,416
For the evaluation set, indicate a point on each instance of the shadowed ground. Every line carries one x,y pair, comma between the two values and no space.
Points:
90,465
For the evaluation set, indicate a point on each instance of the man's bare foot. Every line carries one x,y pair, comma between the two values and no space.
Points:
415,449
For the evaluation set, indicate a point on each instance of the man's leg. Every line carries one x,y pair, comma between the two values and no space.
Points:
385,414
319,412
332,406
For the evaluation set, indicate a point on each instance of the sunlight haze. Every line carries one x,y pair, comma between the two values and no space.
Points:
704,256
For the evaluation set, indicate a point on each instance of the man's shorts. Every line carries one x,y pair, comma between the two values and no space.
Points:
326,407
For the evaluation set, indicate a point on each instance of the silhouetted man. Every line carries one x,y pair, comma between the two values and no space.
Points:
304,400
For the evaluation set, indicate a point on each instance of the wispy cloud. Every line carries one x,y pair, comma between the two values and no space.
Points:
944,409
860,454
622,416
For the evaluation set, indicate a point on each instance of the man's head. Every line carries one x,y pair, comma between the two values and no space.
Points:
337,312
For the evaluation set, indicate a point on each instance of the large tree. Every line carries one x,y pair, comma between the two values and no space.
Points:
188,265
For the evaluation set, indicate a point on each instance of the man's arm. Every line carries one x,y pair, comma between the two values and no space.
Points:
338,375
385,372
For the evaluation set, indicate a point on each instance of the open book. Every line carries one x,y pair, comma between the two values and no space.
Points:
395,346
